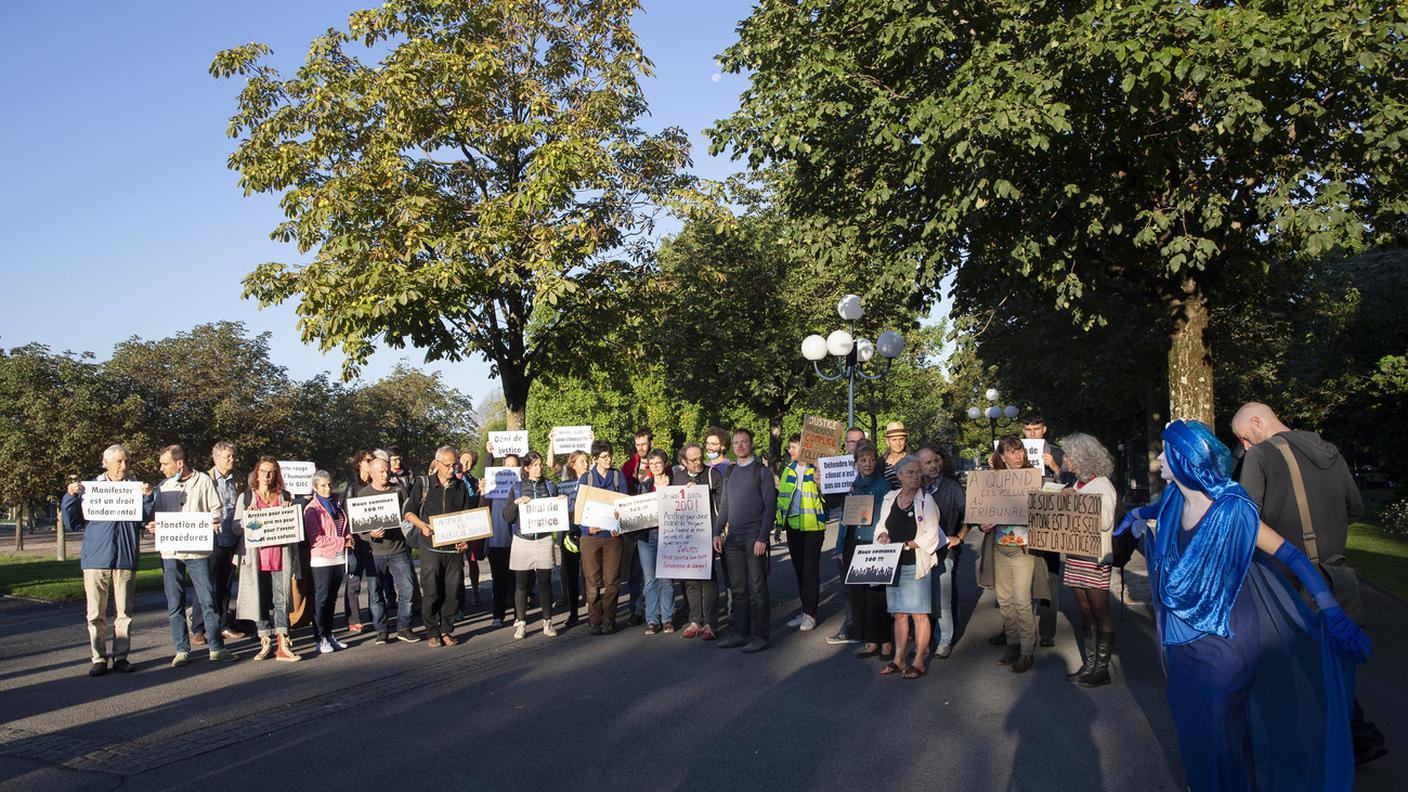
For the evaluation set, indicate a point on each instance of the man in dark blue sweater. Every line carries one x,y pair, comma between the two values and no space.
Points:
747,509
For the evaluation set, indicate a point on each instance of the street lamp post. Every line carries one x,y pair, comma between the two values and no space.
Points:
851,353
992,413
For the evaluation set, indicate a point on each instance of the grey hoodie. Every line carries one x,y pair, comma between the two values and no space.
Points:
1329,487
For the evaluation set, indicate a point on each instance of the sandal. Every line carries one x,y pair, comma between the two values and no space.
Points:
913,672
891,668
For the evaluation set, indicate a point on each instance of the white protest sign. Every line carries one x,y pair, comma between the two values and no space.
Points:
374,512
298,476
874,564
639,512
184,532
110,501
277,526
596,514
461,526
505,443
1036,452
499,481
543,515
566,439
686,538
837,473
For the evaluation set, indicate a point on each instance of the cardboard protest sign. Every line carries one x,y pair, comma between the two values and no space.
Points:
1036,453
588,494
461,526
184,532
566,439
686,536
499,481
1000,496
278,526
543,515
374,512
298,476
874,565
639,512
1065,522
506,443
112,501
858,510
837,474
820,437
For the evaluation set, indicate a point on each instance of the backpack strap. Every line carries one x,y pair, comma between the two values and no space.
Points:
1307,530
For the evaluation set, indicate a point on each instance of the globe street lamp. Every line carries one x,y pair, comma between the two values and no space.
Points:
851,353
992,413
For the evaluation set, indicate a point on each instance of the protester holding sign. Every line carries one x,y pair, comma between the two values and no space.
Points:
870,621
441,568
658,594
266,573
359,560
801,511
578,462
602,550
1013,568
109,561
391,562
325,523
191,491
478,548
911,517
948,494
499,545
531,553
1034,431
1089,579
702,596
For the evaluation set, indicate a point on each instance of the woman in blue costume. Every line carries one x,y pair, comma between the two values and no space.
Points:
1258,683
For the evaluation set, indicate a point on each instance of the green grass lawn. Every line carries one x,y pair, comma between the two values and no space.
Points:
27,576
1379,557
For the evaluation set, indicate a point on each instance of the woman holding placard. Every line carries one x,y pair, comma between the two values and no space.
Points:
910,515
869,617
1089,579
536,552
266,573
325,523
1013,569
360,562
500,545
659,593
576,466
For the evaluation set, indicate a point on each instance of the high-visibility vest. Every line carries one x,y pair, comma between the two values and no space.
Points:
813,511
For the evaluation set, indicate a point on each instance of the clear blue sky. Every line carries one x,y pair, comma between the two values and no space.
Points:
118,213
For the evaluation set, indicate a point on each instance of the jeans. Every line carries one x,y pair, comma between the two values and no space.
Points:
805,549
748,576
942,576
100,585
1012,572
601,563
632,572
659,592
199,571
272,590
221,571
326,582
398,568
441,585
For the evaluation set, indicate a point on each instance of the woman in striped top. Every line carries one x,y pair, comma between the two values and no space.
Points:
1089,578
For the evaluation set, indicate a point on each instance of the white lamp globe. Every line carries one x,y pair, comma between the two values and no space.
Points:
974,413
992,394
1011,411
839,343
814,347
890,344
849,308
865,349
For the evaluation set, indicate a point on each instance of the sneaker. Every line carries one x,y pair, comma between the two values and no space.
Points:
549,630
808,624
325,647
706,633
406,636
497,623
98,669
796,621
336,644
266,648
231,634
733,642
520,630
121,666
667,627
755,645
181,659
943,651
283,652
841,638
355,627
382,638
690,631
222,656
651,629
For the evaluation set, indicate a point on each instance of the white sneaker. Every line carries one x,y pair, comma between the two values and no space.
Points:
324,647
549,630
336,644
808,624
797,620
520,629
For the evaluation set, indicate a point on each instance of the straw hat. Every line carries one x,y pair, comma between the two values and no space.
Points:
895,428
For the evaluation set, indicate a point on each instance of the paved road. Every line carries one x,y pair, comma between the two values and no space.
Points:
580,712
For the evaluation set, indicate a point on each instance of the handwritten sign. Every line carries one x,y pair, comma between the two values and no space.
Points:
566,439
184,532
837,474
589,494
111,501
506,443
639,512
569,489
1065,522
1036,453
543,515
874,565
374,512
298,476
820,437
859,510
1000,496
461,526
500,481
686,536
278,526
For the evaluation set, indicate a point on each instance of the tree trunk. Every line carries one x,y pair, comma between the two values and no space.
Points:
1190,358
516,387
775,440
19,527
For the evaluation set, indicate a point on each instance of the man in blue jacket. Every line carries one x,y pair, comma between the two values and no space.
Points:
109,562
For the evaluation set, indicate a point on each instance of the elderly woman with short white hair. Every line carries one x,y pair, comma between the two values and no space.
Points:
1087,578
911,516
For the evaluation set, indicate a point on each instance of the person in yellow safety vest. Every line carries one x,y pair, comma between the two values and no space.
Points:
801,511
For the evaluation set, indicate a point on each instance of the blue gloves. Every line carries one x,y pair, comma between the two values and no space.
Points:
1134,521
1346,634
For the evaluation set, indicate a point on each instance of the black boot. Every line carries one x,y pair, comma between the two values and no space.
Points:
1089,644
1099,673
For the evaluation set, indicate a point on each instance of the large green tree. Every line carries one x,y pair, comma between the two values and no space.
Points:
1115,153
469,176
